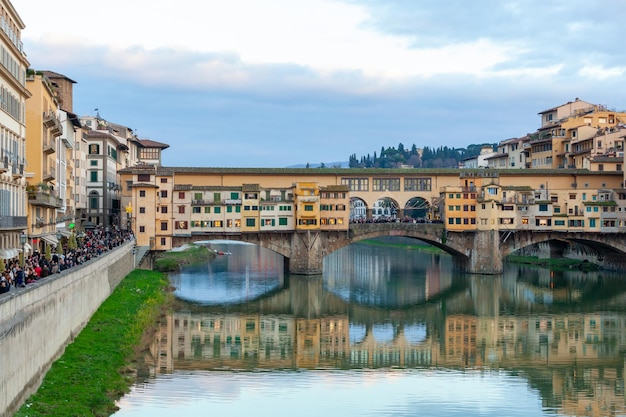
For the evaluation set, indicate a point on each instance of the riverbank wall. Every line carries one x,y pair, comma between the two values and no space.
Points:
37,322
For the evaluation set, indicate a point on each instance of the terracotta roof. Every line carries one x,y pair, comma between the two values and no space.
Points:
147,143
52,75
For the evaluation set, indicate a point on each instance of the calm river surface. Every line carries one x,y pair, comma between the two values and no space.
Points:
385,331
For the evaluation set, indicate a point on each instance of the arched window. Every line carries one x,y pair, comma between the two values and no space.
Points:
94,200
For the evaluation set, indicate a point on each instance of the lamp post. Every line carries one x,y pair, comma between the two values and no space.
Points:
23,238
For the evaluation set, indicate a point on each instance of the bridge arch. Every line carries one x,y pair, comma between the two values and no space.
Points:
431,233
601,243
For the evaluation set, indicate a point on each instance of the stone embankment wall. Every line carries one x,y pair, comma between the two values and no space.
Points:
37,322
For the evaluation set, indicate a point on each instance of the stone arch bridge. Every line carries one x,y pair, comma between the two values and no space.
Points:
479,251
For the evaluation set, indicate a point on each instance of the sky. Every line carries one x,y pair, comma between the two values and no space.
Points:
277,83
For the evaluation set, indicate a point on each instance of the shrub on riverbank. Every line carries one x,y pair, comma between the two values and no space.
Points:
172,260
554,263
92,373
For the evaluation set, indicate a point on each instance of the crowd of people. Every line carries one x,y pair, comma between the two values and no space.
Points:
39,265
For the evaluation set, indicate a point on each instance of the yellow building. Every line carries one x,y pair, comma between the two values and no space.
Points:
307,201
41,146
13,209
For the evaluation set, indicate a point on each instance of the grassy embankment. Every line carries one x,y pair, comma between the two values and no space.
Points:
556,263
424,247
97,368
172,261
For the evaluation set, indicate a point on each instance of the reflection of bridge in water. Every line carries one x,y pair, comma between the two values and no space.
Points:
482,322
470,324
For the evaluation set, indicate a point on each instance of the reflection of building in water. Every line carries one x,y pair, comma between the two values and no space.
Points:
575,360
536,339
460,340
334,341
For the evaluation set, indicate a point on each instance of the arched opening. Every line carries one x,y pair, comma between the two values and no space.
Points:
417,208
385,209
358,210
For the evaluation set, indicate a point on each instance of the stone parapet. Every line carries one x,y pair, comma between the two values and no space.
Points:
38,321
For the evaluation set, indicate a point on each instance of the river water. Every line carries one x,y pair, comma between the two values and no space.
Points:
385,331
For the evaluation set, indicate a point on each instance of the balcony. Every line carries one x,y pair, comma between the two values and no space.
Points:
51,122
49,147
18,170
13,222
4,164
44,199
49,175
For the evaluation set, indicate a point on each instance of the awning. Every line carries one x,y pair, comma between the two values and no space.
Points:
8,253
27,247
64,232
89,225
50,239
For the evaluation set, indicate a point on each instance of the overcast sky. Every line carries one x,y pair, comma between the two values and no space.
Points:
274,83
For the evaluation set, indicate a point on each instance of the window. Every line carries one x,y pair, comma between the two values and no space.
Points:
282,221
181,225
181,209
217,197
143,177
197,196
142,229
142,193
93,176
163,180
142,210
181,195
196,210
93,203
217,210
163,193
417,184
93,163
390,184
207,210
163,209
163,241
94,149
234,196
356,184
308,207
250,222
163,225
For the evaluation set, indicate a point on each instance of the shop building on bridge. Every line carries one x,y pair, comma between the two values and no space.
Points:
162,203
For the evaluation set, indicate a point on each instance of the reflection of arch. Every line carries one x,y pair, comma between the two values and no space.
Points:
358,209
417,208
385,207
383,333
415,333
357,333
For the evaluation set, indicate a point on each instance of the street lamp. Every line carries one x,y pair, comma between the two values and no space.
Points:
23,239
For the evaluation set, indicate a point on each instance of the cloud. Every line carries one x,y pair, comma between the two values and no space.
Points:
278,82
